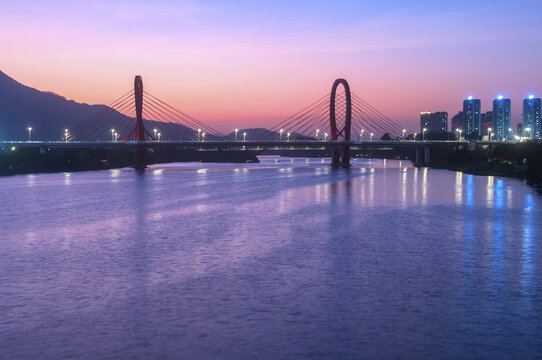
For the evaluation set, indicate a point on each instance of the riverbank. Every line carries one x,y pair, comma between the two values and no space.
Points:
521,161
39,159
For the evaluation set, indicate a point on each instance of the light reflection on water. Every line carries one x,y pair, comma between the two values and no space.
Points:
283,259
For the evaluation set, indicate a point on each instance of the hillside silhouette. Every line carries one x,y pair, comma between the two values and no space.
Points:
49,114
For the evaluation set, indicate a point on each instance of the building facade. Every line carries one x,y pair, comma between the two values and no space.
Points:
501,129
531,118
458,123
436,122
486,120
472,111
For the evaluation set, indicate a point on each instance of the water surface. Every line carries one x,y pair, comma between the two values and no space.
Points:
286,259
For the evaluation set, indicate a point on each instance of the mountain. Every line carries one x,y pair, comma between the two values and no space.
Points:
47,113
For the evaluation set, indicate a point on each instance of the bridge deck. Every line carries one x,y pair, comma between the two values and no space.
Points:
234,144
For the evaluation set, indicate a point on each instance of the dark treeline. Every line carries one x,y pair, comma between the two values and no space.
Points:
26,160
521,160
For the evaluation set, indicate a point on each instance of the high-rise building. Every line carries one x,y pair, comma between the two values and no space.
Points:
436,122
501,118
425,118
458,123
472,111
487,122
531,118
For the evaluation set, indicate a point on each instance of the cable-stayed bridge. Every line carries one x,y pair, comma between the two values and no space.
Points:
338,121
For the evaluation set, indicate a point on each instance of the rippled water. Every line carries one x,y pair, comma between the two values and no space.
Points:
280,260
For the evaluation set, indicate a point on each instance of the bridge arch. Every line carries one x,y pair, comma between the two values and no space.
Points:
340,157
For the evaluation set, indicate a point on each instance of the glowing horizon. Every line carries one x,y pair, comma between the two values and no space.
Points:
241,65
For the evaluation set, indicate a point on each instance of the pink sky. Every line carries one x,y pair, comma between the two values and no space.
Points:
247,65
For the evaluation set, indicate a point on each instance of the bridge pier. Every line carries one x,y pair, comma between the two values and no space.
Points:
139,158
335,158
427,154
425,158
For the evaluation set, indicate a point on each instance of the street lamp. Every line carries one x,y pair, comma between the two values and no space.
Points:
317,131
415,135
288,137
509,133
29,133
66,134
199,132
202,136
489,133
325,136
361,135
236,131
244,136
423,134
457,134
281,131
116,136
371,137
404,131
112,134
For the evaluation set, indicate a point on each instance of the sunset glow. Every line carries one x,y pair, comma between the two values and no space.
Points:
246,64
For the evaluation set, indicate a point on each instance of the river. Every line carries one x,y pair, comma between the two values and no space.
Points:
285,259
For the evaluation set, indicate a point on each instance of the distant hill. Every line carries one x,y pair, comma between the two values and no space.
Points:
48,113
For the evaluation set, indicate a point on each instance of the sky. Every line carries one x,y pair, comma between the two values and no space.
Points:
241,64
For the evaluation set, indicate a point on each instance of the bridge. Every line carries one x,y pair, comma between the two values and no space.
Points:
338,122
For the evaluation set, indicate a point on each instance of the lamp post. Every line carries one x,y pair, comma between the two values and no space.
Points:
281,131
288,137
317,132
404,131
423,134
325,136
509,133
457,134
244,136
116,137
415,136
361,135
202,136
155,131
371,137
29,133
236,131
112,134
199,132
66,134
489,133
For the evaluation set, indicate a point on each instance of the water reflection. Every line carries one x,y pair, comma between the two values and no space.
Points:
285,255
530,231
458,187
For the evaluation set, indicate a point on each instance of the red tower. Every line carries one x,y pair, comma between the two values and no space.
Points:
340,157
139,134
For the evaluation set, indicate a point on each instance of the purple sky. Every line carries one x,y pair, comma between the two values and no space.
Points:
252,63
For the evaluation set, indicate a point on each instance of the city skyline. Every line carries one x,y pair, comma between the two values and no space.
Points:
250,68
